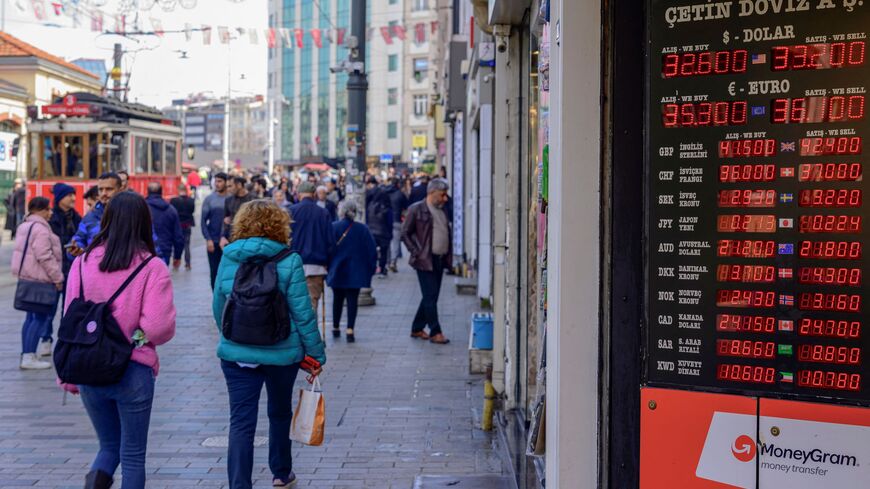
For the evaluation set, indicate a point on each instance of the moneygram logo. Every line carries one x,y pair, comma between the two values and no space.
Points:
743,448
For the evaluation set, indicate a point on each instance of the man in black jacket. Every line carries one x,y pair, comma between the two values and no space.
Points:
380,222
238,195
167,228
398,204
185,205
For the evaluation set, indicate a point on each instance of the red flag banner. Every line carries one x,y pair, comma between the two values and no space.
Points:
58,8
385,32
206,34
434,25
317,35
120,24
339,36
270,37
420,33
399,31
96,21
299,37
223,34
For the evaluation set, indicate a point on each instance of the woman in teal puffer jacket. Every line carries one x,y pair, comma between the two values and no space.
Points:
262,229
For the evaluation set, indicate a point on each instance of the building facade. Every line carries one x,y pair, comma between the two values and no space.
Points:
309,99
422,53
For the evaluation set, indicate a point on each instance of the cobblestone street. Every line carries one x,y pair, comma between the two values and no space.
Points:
396,407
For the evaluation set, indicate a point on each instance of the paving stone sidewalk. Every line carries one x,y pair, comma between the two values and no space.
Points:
396,407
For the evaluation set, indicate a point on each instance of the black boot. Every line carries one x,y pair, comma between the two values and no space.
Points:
97,479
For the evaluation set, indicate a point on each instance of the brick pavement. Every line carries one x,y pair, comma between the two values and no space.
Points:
396,407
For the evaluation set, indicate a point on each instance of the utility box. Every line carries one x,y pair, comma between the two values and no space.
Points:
480,343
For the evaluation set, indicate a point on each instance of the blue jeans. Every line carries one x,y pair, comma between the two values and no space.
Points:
35,326
121,414
244,386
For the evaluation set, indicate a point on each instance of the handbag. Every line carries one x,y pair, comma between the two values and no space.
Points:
33,296
309,420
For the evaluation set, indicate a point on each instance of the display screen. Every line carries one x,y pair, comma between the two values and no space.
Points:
747,173
704,114
830,328
831,250
754,210
830,276
819,301
746,223
821,379
830,223
746,373
747,148
801,110
745,324
746,273
838,355
818,56
746,248
704,63
830,197
747,198
830,172
745,298
834,146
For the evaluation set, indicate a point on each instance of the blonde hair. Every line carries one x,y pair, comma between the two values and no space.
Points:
262,219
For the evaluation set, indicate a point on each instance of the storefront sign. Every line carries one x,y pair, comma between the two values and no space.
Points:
7,161
68,107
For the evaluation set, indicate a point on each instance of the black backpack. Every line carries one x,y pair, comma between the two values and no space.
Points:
91,347
256,311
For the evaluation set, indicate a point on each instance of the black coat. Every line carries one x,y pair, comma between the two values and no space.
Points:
185,206
64,225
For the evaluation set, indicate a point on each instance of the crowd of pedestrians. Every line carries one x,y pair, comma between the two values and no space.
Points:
272,246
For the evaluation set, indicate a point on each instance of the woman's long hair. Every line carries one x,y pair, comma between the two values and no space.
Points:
125,231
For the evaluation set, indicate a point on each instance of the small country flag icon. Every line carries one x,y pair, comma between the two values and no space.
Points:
786,172
785,248
784,350
758,110
786,222
785,273
786,197
786,300
785,325
786,377
788,147
758,59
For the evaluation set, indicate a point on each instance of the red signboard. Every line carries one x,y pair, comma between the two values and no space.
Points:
68,107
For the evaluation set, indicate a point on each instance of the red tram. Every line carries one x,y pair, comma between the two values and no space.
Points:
83,135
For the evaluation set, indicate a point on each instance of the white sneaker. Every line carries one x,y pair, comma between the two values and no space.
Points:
29,361
44,348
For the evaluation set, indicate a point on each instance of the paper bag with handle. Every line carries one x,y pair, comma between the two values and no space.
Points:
309,420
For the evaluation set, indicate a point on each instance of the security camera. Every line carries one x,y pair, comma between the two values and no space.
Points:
501,32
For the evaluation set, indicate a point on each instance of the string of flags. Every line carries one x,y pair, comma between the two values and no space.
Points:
286,37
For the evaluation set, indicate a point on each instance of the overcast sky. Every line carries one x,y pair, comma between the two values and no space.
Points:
159,74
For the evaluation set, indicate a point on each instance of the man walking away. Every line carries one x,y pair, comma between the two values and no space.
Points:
380,222
324,203
418,190
212,222
167,228
238,195
185,206
398,204
426,233
312,239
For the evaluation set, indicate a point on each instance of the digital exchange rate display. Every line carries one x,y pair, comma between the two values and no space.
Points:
757,223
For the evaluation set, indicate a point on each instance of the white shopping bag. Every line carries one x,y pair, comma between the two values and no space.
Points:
309,420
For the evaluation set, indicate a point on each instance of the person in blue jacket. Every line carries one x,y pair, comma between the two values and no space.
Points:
313,240
262,229
108,185
352,267
167,226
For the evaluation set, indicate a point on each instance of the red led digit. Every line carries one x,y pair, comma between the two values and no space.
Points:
856,107
687,115
838,55
830,197
738,64
704,113
687,64
817,52
705,63
779,58
856,53
746,373
830,276
738,113
779,110
817,56
817,301
830,328
830,146
669,115
836,108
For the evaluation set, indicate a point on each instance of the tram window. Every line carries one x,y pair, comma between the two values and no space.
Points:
52,153
115,150
96,155
171,158
141,163
156,156
34,159
75,156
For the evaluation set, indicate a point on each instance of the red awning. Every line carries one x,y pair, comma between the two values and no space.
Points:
317,166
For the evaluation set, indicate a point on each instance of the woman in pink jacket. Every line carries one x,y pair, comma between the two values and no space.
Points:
42,263
121,413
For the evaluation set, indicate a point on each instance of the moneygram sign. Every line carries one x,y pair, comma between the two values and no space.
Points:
802,455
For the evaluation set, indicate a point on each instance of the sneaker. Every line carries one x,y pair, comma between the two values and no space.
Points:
44,348
289,481
393,268
29,361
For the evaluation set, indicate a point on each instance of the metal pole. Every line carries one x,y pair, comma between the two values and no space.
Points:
271,137
116,79
227,109
357,82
